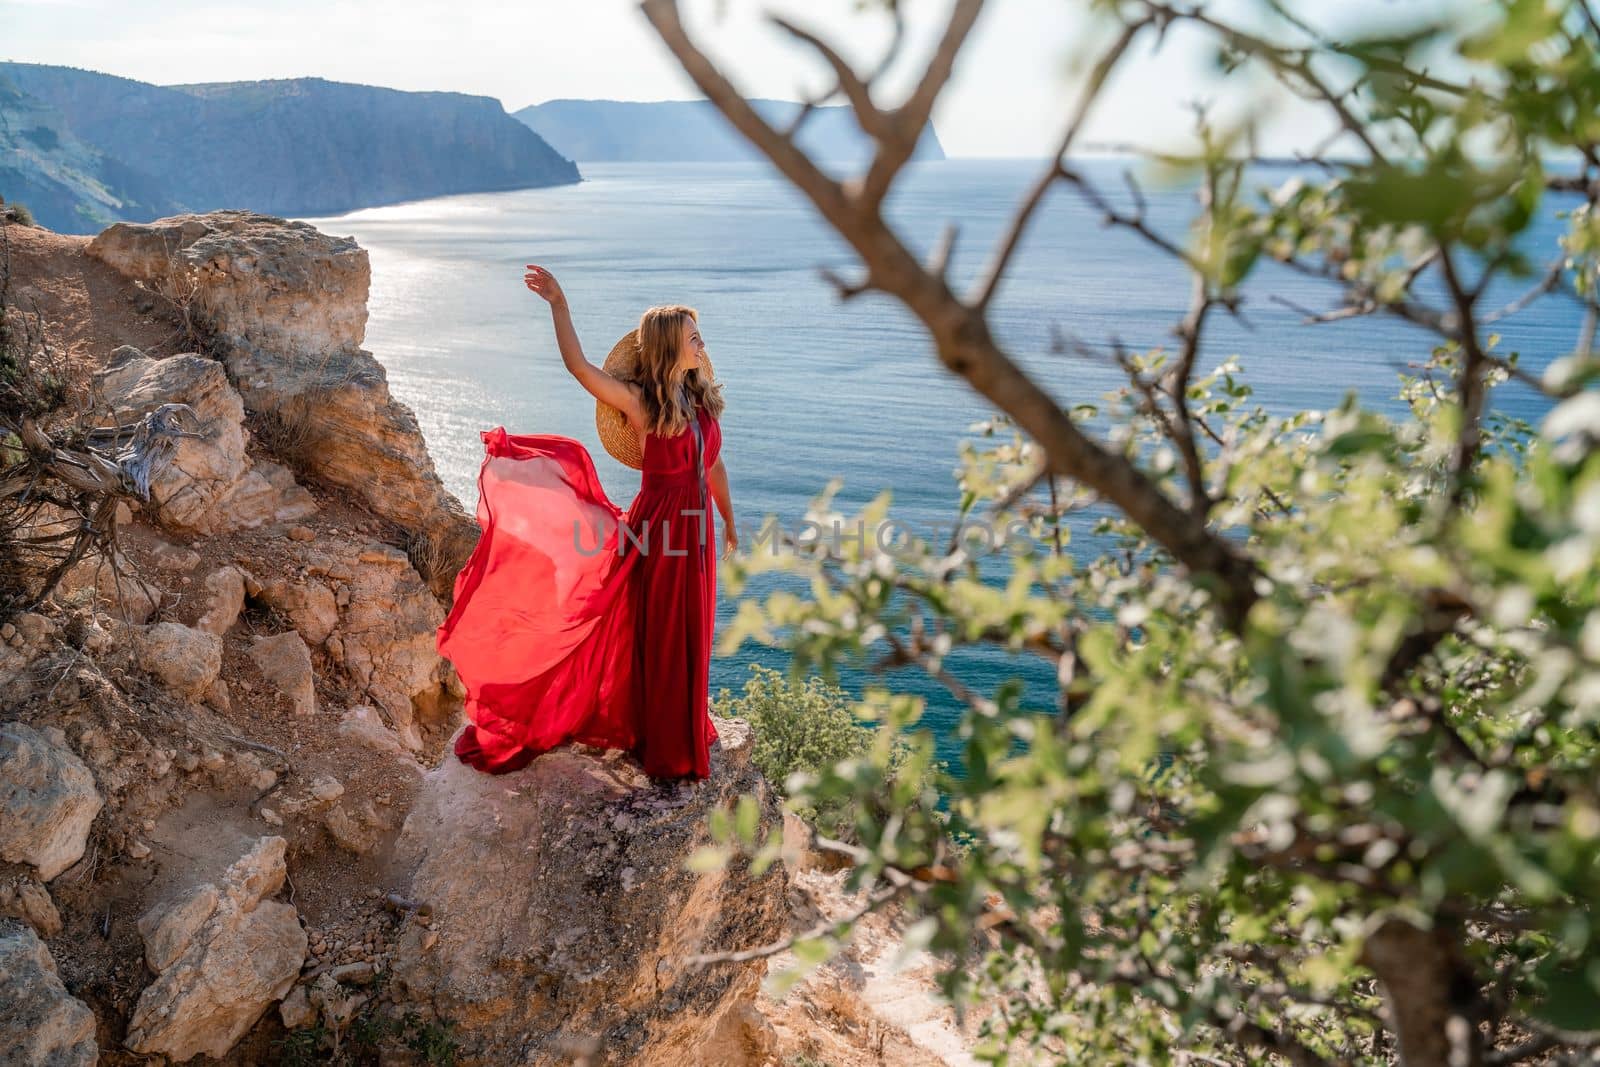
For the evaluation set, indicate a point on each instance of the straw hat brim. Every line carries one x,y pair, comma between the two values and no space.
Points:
616,434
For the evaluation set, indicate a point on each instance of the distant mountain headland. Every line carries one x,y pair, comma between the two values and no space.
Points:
84,149
613,131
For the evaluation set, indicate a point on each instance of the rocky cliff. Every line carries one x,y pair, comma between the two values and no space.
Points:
284,309
219,832
694,131
296,146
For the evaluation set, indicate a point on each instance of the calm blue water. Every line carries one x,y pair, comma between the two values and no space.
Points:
818,388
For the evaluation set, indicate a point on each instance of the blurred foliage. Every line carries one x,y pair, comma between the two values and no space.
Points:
1377,832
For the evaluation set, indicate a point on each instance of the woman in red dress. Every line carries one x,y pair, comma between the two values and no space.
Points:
574,621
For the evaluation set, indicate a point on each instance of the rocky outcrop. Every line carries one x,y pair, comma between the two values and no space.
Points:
223,954
210,484
287,306
47,800
357,827
365,605
41,1024
562,912
386,635
308,602
559,915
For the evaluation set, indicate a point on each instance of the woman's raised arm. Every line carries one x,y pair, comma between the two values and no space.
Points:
621,395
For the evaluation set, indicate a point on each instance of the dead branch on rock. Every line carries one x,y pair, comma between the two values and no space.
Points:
60,497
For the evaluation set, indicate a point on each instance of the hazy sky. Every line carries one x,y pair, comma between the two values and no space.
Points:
1010,96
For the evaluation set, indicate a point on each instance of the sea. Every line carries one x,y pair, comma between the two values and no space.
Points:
820,388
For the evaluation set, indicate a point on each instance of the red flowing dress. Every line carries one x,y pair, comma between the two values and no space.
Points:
576,622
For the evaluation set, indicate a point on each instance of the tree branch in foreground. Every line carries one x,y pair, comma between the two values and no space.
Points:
961,333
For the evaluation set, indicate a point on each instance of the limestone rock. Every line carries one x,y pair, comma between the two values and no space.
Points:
269,494
540,940
32,628
252,585
358,828
224,591
203,469
47,801
211,485
185,659
285,663
41,1024
96,638
385,636
227,954
798,855
171,929
363,725
27,900
287,306
308,604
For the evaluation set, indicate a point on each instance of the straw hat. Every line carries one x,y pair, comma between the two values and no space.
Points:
615,433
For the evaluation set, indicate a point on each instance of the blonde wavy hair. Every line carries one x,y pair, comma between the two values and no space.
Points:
667,408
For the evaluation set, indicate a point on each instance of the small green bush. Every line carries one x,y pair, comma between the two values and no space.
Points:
17,213
433,1040
372,1037
301,1048
804,727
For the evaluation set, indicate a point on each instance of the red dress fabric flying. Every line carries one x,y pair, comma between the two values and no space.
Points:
576,622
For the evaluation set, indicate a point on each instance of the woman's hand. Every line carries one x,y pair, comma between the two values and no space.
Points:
730,539
544,283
